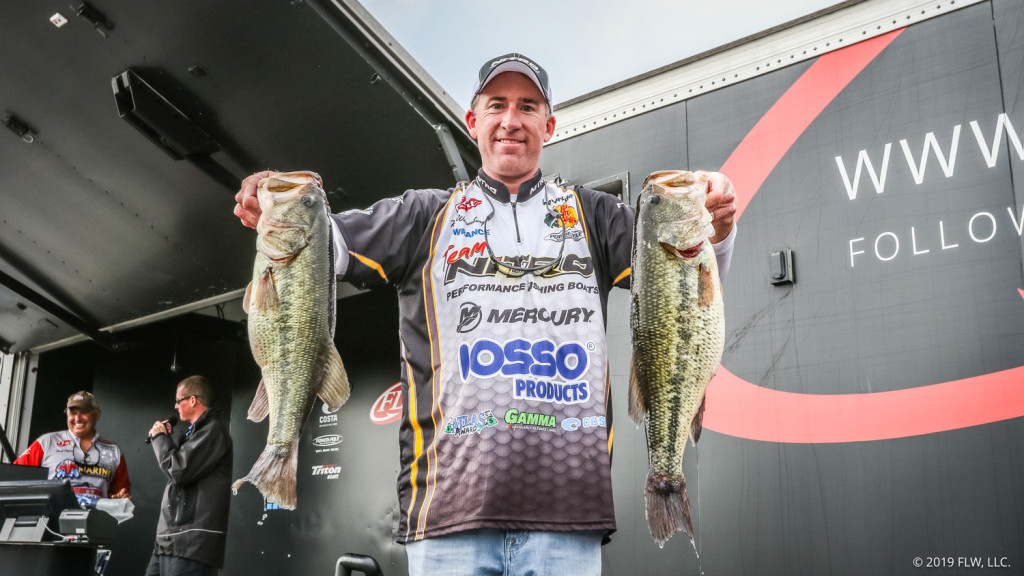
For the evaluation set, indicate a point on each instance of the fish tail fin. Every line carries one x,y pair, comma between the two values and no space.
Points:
335,389
637,405
260,407
697,425
668,507
274,474
264,295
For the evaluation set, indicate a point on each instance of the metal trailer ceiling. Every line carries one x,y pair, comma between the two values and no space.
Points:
108,221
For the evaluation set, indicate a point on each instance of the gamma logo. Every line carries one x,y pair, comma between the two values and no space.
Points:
744,409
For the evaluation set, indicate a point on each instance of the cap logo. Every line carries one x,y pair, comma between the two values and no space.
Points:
532,66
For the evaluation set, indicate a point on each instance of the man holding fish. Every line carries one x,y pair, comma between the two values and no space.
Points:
503,285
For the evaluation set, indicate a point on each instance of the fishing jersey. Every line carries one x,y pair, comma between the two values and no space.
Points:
506,420
93,475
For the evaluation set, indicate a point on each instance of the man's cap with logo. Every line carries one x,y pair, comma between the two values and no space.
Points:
514,63
83,400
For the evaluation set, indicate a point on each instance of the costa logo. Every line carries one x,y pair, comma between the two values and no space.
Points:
468,204
327,440
521,357
573,424
387,408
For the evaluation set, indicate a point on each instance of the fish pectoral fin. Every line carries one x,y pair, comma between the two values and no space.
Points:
698,422
260,407
248,295
265,293
705,287
637,405
335,389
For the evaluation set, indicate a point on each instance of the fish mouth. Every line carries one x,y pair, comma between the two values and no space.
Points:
684,253
288,181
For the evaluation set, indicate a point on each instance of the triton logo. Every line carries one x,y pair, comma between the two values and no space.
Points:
329,470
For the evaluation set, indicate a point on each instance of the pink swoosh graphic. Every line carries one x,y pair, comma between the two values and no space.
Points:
739,408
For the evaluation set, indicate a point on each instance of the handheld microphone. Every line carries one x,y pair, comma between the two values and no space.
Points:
171,420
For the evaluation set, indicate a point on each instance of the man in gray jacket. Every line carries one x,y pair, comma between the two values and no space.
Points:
192,530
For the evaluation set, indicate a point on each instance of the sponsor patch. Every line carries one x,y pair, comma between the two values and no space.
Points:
387,408
519,420
470,423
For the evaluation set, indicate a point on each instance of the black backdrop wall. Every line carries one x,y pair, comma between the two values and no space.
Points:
136,386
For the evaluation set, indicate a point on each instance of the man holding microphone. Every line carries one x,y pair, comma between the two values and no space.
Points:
192,530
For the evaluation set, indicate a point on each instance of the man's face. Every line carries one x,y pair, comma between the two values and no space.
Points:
510,123
187,406
82,423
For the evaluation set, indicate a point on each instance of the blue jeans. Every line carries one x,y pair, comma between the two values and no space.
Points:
507,553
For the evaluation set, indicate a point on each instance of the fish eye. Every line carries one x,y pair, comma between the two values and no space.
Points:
307,201
655,199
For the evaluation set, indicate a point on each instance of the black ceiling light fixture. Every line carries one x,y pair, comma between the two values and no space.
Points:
99,22
139,104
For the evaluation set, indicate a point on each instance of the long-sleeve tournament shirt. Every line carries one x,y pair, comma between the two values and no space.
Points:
94,474
504,379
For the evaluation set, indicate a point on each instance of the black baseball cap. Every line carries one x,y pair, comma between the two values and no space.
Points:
514,63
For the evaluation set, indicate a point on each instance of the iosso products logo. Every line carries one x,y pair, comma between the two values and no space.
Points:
387,408
745,410
521,357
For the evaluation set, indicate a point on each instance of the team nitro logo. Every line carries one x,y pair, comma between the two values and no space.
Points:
67,469
472,261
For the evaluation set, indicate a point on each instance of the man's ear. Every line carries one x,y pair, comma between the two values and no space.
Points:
471,123
549,128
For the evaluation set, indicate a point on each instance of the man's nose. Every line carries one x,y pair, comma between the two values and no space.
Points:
511,120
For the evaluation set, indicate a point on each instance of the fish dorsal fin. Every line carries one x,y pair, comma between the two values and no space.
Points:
637,404
260,407
335,389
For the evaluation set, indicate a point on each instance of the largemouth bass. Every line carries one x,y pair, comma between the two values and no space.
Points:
678,330
290,302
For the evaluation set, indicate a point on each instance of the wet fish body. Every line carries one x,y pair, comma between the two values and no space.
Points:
678,329
291,306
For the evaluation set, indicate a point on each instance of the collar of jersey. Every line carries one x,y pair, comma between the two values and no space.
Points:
499,191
